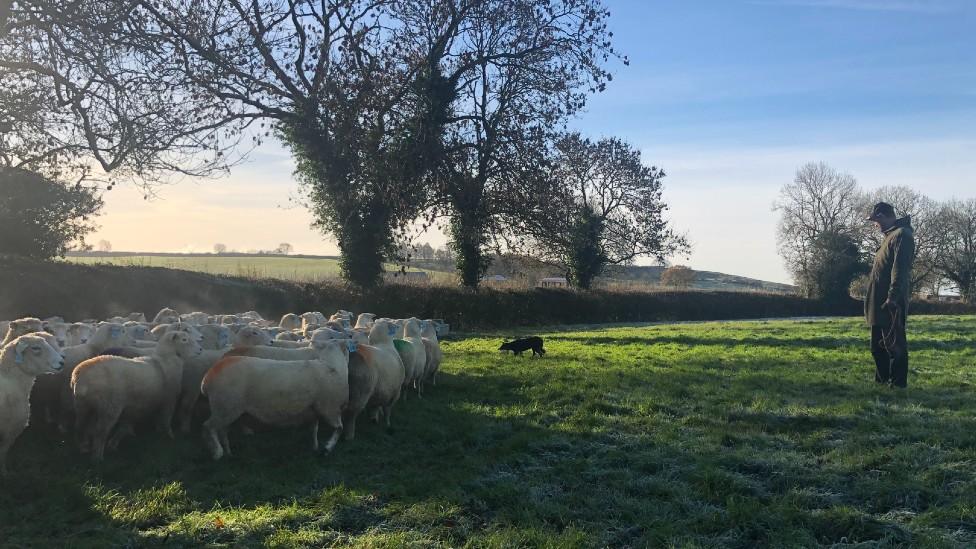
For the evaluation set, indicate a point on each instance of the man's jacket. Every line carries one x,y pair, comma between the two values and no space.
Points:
891,274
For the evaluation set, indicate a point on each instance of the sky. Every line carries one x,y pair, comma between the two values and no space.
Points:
729,97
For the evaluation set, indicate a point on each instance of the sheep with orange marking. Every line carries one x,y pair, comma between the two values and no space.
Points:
115,393
195,368
277,392
21,361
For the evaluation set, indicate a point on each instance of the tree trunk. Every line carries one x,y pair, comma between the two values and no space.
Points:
468,233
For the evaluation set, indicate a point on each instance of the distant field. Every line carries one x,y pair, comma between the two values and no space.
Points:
737,434
286,268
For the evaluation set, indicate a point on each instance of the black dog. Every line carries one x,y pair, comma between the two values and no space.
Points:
520,345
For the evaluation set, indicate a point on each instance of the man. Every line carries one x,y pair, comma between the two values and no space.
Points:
889,288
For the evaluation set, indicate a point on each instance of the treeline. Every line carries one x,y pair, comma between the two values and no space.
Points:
49,288
828,245
396,113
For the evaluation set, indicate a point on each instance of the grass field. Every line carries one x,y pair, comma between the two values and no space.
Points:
299,269
739,434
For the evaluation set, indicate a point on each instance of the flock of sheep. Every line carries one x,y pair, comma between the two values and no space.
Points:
106,377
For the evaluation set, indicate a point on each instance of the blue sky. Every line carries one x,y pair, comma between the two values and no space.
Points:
729,97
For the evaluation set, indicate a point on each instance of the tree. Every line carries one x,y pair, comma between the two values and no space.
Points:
104,246
928,223
592,204
220,248
42,218
171,86
679,276
821,207
518,69
836,261
957,263
284,248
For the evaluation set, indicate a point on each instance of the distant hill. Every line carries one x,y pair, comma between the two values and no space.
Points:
521,270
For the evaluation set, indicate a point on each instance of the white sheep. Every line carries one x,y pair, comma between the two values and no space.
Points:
215,336
287,336
136,317
166,316
290,322
434,354
277,393
196,318
21,361
22,326
79,333
59,330
411,333
53,393
252,316
114,392
365,320
391,371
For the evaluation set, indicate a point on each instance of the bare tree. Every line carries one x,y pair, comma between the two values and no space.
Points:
820,201
220,248
679,276
930,230
592,204
284,248
957,263
104,246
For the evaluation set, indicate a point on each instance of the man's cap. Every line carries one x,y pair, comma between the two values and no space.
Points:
881,209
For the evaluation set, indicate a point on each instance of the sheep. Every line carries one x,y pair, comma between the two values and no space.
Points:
411,333
434,354
365,320
21,361
364,375
252,316
53,394
138,332
22,326
4,325
59,330
215,336
166,316
79,333
250,336
137,317
227,319
288,336
390,362
277,393
291,321
114,392
195,318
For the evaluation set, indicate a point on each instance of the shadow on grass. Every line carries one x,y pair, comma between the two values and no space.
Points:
490,452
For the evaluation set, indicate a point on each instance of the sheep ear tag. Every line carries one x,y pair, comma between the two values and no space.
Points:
19,352
115,331
352,346
393,329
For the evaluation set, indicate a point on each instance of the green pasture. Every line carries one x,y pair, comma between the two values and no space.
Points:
740,434
298,269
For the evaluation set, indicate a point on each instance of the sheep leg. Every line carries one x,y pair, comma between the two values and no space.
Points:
224,442
387,411
375,414
165,421
5,443
349,420
211,439
123,430
184,414
100,432
315,436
